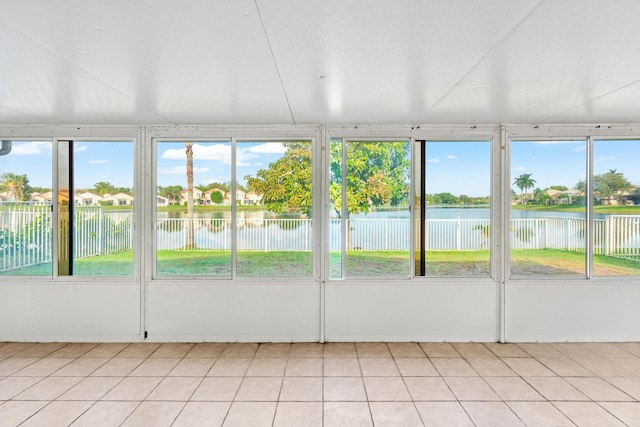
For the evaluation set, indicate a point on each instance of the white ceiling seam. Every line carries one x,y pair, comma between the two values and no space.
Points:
37,44
512,28
275,63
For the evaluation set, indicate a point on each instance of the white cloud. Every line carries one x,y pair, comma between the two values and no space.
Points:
217,152
520,168
451,156
21,148
98,162
604,159
434,160
182,170
580,148
79,148
222,153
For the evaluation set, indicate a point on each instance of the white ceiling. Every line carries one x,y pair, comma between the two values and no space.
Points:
319,61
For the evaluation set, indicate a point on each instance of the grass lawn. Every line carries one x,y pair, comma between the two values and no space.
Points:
545,262
604,210
218,264
548,262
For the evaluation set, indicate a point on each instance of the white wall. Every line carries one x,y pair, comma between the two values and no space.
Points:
578,311
80,311
397,311
233,312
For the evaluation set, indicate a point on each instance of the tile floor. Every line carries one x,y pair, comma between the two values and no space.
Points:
309,384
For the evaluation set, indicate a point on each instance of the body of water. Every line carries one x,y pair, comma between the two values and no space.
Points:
431,213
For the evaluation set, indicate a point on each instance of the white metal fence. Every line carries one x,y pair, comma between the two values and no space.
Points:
26,234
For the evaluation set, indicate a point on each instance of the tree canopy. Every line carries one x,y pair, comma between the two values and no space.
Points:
170,192
377,175
16,185
609,185
524,182
286,184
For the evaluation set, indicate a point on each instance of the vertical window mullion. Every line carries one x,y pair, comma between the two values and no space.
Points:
234,210
589,204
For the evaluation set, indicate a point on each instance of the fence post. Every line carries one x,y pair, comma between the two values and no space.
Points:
386,235
458,236
265,233
100,231
608,235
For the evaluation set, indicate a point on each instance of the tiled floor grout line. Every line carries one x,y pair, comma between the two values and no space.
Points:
571,353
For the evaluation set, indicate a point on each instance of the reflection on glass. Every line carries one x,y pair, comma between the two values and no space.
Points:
103,208
548,212
456,226
616,200
25,208
369,190
193,228
274,213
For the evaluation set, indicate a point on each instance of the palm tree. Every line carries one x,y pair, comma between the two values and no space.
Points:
190,242
524,182
15,185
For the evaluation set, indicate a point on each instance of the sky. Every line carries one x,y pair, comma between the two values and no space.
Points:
454,167
212,161
94,162
458,167
564,162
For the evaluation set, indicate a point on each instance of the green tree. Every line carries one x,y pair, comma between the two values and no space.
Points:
611,185
216,197
17,186
524,182
447,198
541,196
224,186
102,188
607,186
286,184
377,175
171,192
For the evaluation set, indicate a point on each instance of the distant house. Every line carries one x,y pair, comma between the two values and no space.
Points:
48,197
633,197
240,195
197,195
566,197
161,201
120,199
87,199
251,198
6,197
553,193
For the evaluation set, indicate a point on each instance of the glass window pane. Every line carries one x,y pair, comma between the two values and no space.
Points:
335,211
193,240
457,209
616,199
548,212
103,208
274,217
375,223
25,208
